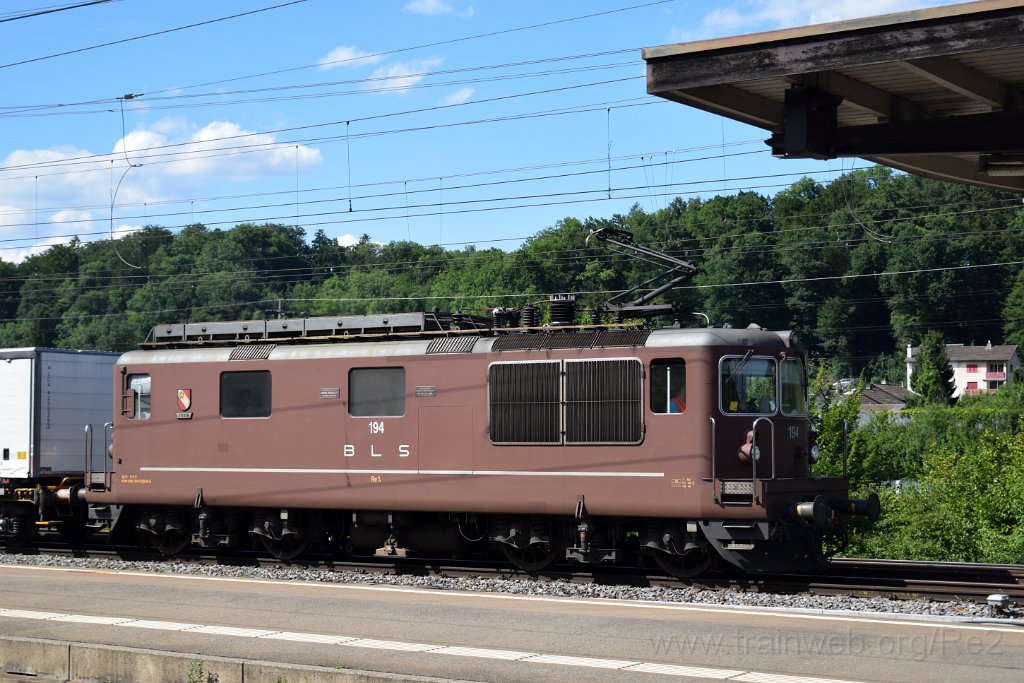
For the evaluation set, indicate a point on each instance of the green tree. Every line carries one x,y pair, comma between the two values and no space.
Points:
48,281
169,292
833,413
741,251
327,257
932,379
1013,313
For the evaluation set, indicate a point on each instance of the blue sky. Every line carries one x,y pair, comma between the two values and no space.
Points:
439,121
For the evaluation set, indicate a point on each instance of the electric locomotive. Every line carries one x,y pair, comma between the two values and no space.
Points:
429,433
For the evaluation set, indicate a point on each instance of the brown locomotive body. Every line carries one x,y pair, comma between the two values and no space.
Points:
548,444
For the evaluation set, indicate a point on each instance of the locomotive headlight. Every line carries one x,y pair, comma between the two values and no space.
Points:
815,454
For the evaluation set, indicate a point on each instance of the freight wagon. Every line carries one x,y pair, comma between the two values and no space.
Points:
47,396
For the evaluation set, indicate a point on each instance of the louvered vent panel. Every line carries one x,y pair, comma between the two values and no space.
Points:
570,340
603,402
452,344
622,338
252,352
514,342
524,403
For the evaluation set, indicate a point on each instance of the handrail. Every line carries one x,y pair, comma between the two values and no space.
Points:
753,483
846,434
108,439
88,449
714,479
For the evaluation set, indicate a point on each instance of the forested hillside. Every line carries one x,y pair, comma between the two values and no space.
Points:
860,266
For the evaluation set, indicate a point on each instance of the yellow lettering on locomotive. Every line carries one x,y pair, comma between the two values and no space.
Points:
376,479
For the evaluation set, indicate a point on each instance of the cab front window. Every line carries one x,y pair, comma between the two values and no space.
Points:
794,387
748,385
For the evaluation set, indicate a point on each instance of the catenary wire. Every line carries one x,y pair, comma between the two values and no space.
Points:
149,35
29,14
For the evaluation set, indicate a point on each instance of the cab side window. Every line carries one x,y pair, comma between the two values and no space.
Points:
140,390
668,386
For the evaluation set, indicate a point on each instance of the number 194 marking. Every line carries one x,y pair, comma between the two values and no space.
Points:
376,427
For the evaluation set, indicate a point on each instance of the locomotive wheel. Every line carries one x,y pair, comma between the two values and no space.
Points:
22,532
686,565
171,541
532,558
287,548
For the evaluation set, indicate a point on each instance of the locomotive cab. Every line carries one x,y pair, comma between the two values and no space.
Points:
762,457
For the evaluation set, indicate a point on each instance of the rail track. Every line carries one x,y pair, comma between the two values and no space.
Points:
894,579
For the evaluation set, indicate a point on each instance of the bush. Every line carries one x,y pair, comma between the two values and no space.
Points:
968,506
950,479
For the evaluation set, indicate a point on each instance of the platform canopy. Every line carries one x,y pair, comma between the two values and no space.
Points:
938,92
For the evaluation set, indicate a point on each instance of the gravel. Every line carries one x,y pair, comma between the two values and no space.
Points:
518,586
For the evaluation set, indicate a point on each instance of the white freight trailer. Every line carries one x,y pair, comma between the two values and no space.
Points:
47,396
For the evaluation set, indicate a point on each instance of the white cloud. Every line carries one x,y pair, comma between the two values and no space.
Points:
71,220
459,96
138,140
429,7
401,77
27,202
348,240
124,230
66,200
348,56
205,152
20,254
170,125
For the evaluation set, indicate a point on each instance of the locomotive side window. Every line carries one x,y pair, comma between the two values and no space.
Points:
141,388
668,386
245,394
749,385
794,387
376,392
524,401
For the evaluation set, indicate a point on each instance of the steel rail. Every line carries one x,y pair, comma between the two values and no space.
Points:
895,579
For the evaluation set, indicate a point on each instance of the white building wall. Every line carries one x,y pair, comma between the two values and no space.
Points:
961,375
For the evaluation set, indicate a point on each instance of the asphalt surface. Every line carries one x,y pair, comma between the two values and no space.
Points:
489,637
